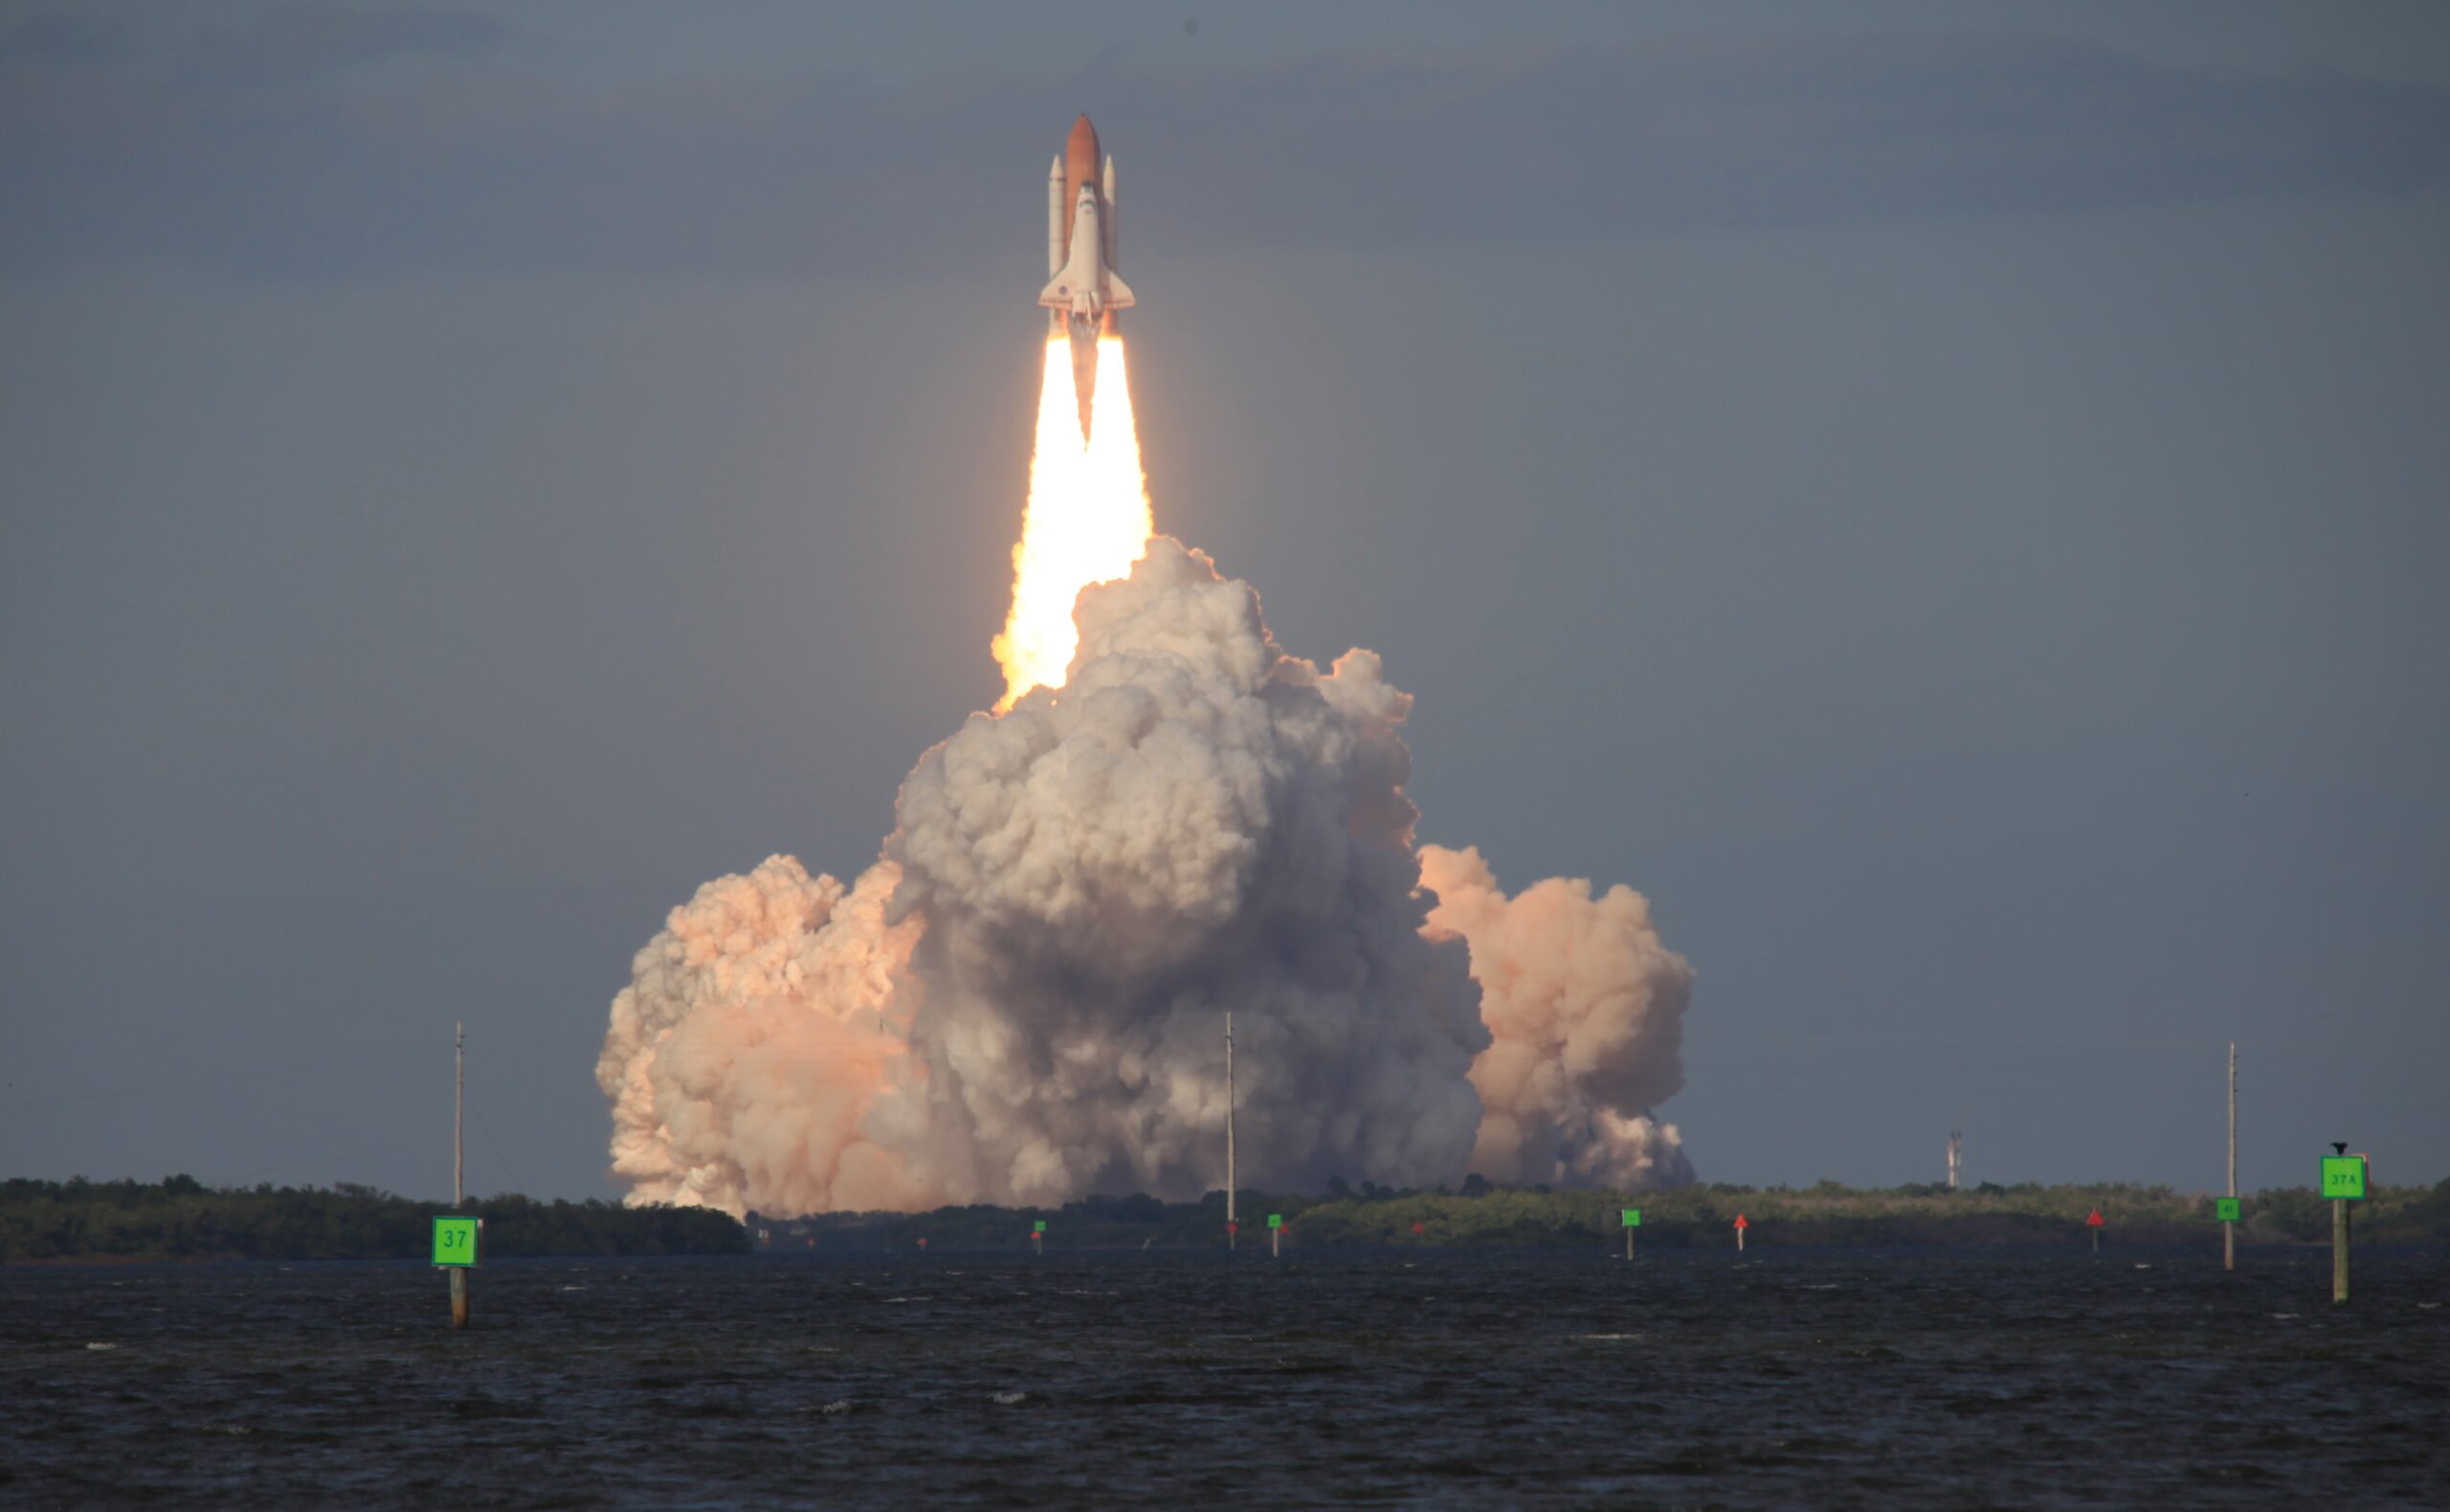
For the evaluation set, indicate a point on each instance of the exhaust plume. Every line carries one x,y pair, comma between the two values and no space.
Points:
749,1047
1194,822
1086,519
1168,817
1586,1009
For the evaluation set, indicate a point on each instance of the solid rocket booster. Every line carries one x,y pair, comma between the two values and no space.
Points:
1084,293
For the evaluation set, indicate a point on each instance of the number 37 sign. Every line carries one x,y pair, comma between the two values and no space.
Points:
458,1242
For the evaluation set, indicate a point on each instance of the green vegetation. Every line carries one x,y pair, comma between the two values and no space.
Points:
1825,1214
181,1218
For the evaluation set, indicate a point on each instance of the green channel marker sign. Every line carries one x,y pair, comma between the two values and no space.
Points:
458,1242
2344,1176
1041,1226
1276,1220
1633,1217
2224,1210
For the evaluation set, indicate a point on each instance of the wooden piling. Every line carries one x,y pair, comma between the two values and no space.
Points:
2339,1251
2344,1181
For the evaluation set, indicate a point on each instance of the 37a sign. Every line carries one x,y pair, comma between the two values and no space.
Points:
458,1241
2344,1178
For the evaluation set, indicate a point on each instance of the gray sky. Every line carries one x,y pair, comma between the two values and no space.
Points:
1948,502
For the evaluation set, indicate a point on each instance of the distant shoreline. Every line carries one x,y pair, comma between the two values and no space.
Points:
79,1222
1697,1217
180,1220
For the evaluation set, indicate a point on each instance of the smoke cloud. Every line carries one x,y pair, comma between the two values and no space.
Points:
1023,1001
1586,1009
750,1046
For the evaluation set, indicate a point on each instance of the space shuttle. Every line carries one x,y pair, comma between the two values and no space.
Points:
1082,293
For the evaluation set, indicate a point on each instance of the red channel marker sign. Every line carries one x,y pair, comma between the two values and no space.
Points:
2095,1221
1740,1223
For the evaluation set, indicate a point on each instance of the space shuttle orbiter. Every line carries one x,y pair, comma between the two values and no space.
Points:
1083,290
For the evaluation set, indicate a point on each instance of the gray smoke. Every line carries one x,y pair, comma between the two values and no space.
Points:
1024,1000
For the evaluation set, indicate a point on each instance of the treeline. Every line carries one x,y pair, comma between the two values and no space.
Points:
1483,1216
181,1218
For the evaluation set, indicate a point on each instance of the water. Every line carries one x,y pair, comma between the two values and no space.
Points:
1416,1380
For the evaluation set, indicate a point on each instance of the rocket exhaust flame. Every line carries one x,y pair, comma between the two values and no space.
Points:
1086,522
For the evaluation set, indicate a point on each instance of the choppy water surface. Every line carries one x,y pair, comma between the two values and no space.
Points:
1936,1378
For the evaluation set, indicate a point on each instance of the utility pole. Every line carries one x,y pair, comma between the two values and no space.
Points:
458,1162
1229,1129
1957,1156
2229,1231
